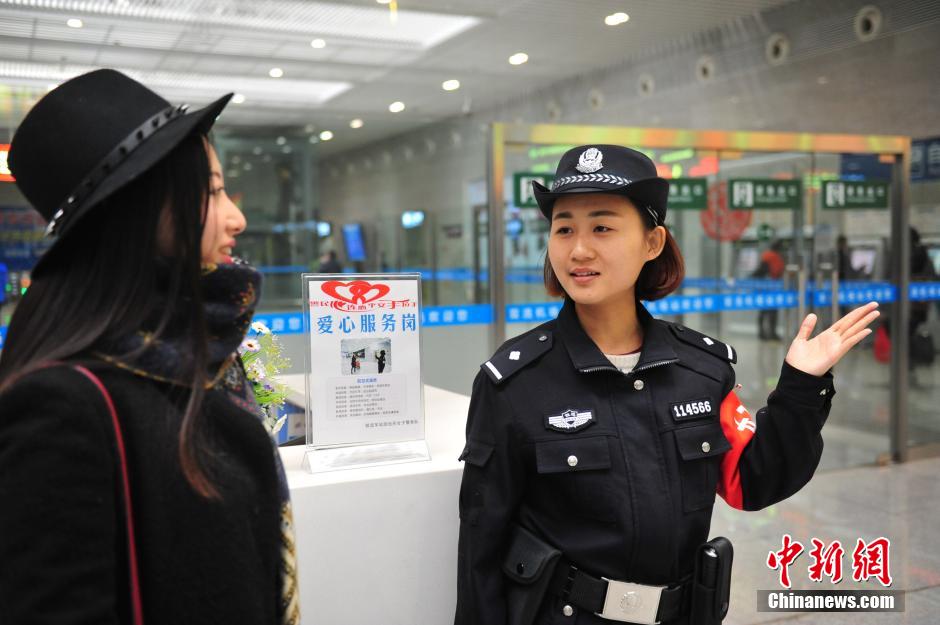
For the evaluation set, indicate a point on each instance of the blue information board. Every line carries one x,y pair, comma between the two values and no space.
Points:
925,159
22,237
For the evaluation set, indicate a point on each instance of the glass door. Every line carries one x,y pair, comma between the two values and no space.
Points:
851,244
787,253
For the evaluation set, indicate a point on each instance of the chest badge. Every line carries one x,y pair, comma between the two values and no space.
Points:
570,421
694,409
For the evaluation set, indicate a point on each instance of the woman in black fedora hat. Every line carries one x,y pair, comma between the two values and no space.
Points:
596,442
137,482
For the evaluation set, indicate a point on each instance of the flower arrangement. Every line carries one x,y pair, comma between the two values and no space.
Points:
261,355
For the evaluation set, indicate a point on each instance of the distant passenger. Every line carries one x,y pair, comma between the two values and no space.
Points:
843,259
771,266
329,264
381,358
922,351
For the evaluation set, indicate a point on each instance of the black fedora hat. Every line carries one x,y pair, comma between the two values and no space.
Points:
607,169
91,136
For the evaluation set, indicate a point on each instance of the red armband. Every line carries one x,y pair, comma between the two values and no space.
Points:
739,428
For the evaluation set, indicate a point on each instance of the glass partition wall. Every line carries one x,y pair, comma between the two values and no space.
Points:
764,245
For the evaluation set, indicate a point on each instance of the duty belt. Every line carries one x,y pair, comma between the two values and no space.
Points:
618,601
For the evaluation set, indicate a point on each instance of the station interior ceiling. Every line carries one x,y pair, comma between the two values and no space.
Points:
345,60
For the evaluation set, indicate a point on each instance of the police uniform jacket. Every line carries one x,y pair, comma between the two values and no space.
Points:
619,471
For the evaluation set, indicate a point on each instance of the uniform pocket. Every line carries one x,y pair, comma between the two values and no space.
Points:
476,453
476,456
700,450
575,473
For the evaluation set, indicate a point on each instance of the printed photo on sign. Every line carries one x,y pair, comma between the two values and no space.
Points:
366,356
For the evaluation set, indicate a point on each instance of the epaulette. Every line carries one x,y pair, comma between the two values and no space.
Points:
511,359
705,343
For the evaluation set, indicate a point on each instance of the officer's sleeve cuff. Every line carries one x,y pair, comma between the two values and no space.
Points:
805,388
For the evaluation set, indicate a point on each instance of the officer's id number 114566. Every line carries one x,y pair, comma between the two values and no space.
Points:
691,409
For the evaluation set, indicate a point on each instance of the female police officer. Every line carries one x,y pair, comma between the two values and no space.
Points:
605,434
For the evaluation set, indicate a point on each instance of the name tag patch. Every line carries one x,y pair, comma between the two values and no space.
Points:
694,409
571,420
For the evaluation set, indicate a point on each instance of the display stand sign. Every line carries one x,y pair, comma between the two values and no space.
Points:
365,399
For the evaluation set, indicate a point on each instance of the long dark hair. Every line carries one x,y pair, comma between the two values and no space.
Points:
103,283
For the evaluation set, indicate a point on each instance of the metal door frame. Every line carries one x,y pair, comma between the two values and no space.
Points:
898,147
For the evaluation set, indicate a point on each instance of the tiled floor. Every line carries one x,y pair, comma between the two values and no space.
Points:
899,502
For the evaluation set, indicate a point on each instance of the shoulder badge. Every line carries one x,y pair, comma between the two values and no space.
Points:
703,342
517,355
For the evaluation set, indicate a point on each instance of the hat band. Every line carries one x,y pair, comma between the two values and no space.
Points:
608,178
114,158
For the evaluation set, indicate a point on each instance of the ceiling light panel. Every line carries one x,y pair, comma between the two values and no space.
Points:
365,56
251,44
16,26
187,86
54,53
16,51
138,35
56,29
421,29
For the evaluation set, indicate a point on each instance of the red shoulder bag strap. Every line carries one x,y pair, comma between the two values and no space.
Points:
136,604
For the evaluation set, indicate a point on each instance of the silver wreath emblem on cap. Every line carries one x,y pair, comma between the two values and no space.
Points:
590,161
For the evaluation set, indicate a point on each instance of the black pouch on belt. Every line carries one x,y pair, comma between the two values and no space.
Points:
529,564
711,583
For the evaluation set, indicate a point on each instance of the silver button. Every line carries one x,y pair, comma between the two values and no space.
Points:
567,610
572,461
706,447
638,385
543,338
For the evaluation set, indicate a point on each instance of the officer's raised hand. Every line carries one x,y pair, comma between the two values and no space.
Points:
818,355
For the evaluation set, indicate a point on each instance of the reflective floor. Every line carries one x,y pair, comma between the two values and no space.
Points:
899,502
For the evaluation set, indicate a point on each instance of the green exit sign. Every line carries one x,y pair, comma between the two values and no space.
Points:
764,193
688,194
522,187
855,194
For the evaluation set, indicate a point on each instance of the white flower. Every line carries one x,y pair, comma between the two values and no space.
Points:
250,345
278,425
260,328
256,372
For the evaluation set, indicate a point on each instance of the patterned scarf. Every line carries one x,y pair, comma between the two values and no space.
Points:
230,293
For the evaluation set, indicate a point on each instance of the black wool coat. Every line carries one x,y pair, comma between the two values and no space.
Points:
63,545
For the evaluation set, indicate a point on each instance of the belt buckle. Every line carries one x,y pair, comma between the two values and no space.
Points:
631,603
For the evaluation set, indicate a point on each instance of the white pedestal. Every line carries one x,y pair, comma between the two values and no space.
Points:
378,545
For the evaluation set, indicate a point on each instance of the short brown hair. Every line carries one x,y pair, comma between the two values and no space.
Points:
658,278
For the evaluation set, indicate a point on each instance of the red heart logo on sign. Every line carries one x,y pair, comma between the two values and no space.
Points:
355,292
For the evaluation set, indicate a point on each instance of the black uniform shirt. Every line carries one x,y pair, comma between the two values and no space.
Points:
620,471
